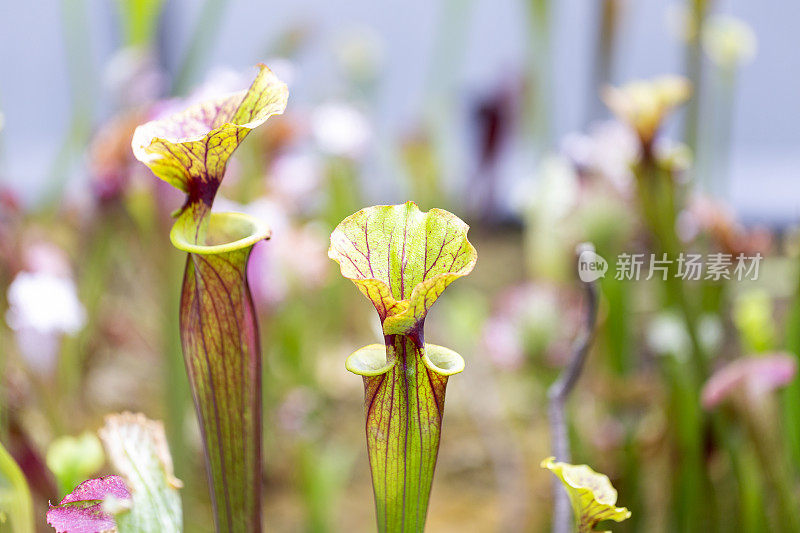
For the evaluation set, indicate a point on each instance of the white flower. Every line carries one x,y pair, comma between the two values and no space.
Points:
667,335
340,129
729,42
45,303
608,149
557,190
42,307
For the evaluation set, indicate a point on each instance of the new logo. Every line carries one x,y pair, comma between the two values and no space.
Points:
591,266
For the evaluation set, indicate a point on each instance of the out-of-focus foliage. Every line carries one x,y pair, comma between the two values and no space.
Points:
689,400
73,459
16,506
137,448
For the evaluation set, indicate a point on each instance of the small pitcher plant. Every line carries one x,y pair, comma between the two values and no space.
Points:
592,496
402,260
219,332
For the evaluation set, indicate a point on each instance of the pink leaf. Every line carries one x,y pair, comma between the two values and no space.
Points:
81,511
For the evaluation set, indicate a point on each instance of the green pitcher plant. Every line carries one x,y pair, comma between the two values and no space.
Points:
593,497
218,327
402,259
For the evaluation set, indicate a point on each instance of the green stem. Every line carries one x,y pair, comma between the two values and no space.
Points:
618,328
694,71
447,57
691,482
50,404
404,409
791,394
82,80
139,20
176,386
712,156
750,506
602,66
656,191
201,41
778,476
538,109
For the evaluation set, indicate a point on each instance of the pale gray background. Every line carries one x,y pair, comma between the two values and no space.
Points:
34,87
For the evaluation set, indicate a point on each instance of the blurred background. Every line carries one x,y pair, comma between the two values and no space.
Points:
491,109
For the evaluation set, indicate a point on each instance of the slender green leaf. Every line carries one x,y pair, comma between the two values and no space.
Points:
16,505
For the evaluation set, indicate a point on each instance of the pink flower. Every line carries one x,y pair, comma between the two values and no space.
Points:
504,343
294,258
528,319
753,376
295,178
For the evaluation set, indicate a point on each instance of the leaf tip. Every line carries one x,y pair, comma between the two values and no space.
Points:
592,495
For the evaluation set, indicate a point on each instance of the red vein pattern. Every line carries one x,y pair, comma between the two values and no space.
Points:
190,150
402,260
404,409
220,341
82,509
